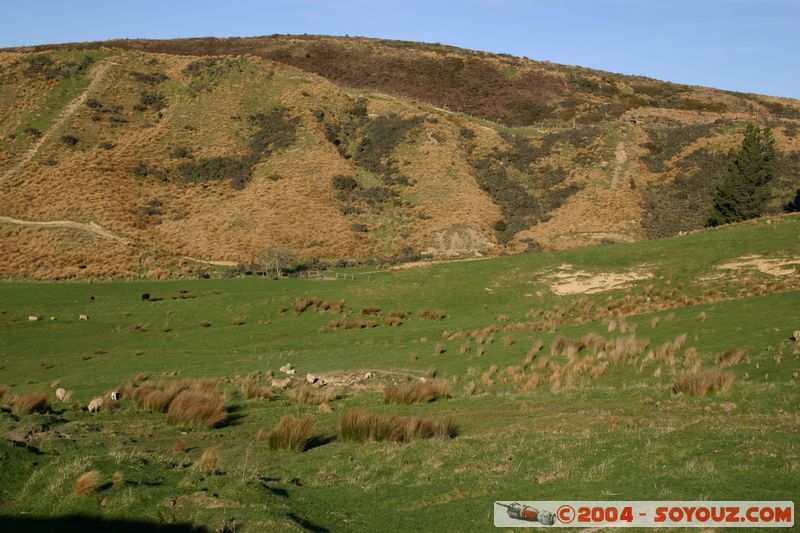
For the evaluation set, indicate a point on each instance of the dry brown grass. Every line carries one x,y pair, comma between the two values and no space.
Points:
702,316
703,381
252,390
208,462
178,447
370,311
34,402
88,483
313,396
157,397
197,408
430,314
417,392
291,433
731,357
401,314
359,426
117,479
439,349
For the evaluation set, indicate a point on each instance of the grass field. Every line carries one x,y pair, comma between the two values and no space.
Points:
576,420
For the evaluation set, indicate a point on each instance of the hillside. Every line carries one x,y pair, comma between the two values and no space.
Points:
654,370
165,158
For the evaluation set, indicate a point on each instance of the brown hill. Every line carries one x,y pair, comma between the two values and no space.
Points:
126,158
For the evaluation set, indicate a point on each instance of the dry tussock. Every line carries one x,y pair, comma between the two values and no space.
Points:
208,462
359,426
88,483
291,433
465,347
117,479
197,407
731,357
417,392
439,349
252,390
157,397
34,402
700,382
430,314
313,396
178,447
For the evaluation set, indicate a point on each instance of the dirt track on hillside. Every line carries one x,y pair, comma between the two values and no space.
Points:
91,227
94,77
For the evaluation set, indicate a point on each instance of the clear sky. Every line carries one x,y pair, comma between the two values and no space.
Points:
742,45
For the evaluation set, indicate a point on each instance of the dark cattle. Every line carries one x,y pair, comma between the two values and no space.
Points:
146,297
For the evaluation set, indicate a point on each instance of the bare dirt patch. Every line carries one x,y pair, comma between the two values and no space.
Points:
568,281
765,265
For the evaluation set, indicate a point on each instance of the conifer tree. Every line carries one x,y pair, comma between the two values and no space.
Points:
743,191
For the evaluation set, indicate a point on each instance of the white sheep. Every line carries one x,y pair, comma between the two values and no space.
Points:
95,405
32,318
61,394
311,379
281,383
114,395
83,317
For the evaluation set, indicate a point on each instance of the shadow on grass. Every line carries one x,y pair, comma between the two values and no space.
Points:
317,441
81,523
305,524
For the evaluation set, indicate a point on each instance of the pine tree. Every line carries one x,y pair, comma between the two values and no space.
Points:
743,192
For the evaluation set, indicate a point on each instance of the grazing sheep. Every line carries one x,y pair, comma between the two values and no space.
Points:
83,317
281,383
95,405
311,379
286,368
61,394
32,318
796,336
368,375
114,395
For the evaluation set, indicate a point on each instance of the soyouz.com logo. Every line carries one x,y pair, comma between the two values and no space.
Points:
644,514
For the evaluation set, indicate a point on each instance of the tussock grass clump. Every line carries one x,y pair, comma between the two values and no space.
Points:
88,483
313,396
252,390
358,426
197,407
157,397
703,381
34,402
117,479
208,462
371,311
418,392
439,349
731,357
178,447
291,433
401,314
430,314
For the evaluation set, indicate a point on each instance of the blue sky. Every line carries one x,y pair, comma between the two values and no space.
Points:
742,45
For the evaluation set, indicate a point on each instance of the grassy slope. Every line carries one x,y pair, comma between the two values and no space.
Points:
622,436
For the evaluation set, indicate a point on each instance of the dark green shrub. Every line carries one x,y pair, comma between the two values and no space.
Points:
93,103
360,228
151,101
344,183
218,168
381,135
69,140
106,145
179,152
276,130
33,132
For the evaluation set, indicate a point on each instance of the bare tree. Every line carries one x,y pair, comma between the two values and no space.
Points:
277,259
